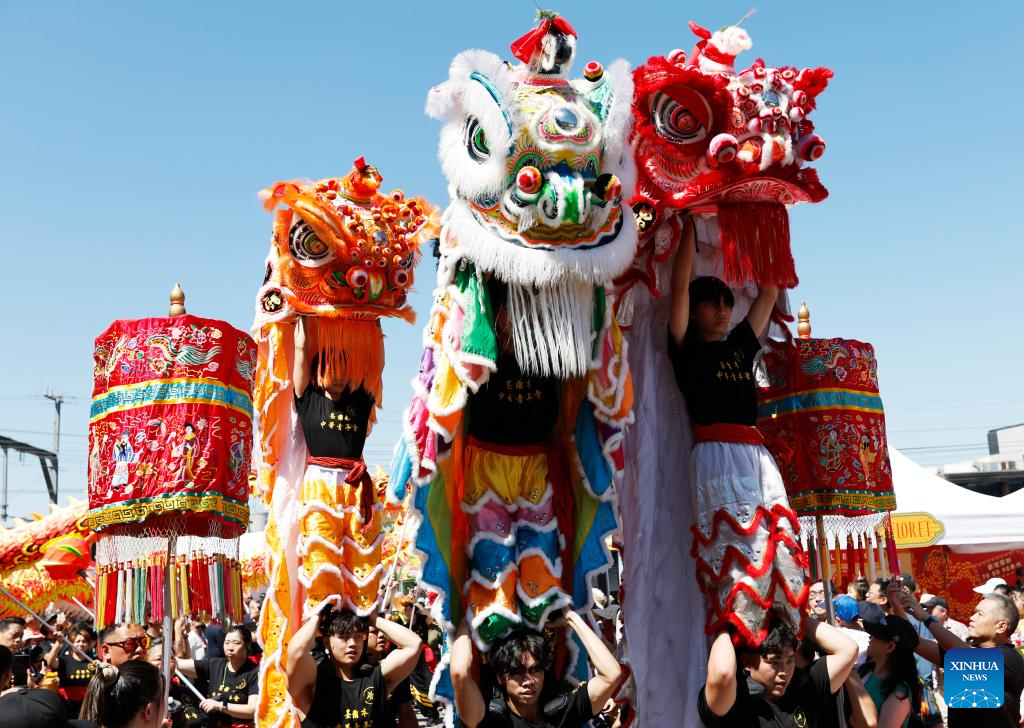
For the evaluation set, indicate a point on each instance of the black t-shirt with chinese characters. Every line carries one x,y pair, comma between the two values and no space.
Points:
334,428
74,672
513,408
1005,716
808,694
717,377
74,676
216,680
574,713
359,703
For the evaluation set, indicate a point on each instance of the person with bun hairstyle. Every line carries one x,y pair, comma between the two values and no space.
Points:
230,682
129,696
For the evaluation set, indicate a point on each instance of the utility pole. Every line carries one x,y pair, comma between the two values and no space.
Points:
3,490
58,400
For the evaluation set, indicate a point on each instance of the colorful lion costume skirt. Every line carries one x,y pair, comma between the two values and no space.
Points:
515,551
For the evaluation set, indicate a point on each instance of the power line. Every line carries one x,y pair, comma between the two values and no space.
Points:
939,448
41,432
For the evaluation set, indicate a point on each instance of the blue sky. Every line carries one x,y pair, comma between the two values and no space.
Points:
134,138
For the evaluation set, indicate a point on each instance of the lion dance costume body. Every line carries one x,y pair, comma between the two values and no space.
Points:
514,432
729,149
342,256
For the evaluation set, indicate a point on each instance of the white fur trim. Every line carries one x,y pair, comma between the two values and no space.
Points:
552,328
491,497
461,97
305,542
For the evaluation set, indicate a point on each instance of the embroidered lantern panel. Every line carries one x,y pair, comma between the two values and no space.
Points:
823,421
170,430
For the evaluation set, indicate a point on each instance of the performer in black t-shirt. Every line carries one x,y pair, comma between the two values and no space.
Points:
73,672
748,558
345,690
230,682
756,688
514,484
993,622
338,508
399,706
520,663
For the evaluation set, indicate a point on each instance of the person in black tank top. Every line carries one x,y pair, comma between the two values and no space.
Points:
335,417
344,688
510,488
513,408
335,409
740,499
334,426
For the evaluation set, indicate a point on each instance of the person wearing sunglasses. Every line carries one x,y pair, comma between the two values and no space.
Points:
121,642
520,663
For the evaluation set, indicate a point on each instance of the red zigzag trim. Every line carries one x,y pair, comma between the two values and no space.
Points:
721,616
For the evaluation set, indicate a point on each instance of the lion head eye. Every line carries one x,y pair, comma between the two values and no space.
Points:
678,122
306,247
475,139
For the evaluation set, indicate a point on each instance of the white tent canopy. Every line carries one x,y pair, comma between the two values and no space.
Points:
974,522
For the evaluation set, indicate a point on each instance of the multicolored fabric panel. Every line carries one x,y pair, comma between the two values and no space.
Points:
460,352
823,421
170,430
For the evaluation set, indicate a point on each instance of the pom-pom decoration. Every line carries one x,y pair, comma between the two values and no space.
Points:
706,135
338,245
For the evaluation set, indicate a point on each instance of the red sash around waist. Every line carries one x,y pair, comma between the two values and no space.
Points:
358,476
728,432
73,693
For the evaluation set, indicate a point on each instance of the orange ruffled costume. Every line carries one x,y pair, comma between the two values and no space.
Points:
342,256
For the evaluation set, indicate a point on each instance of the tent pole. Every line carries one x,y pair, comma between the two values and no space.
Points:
172,544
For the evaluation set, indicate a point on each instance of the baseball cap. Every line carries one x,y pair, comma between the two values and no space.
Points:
934,601
845,608
33,708
989,585
869,611
894,629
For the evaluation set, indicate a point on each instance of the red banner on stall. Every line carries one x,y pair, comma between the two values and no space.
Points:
953,576
170,430
822,420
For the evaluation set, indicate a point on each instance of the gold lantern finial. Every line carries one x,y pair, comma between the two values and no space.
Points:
803,321
177,301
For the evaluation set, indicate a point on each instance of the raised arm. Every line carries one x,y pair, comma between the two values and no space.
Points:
894,710
402,660
607,668
300,363
840,651
863,713
50,658
300,668
761,309
182,651
720,689
903,604
681,270
469,701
